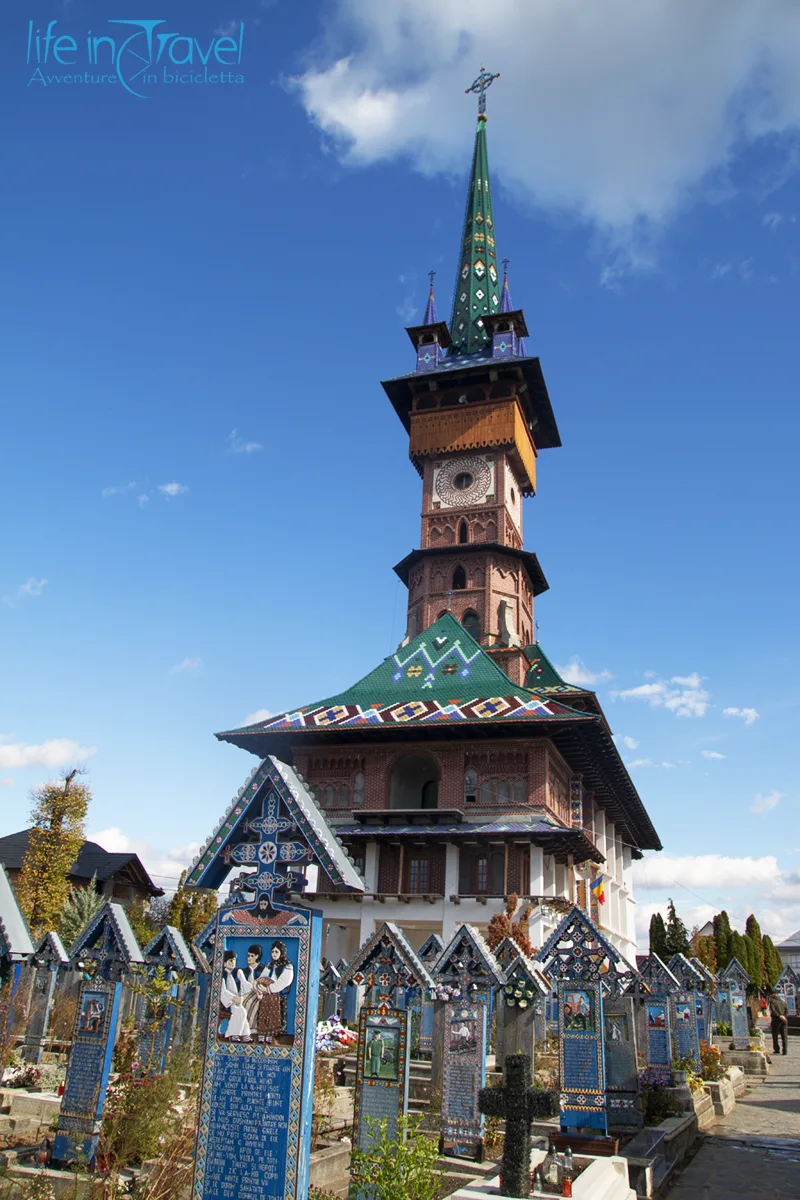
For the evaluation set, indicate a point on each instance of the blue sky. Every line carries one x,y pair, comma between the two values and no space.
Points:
204,488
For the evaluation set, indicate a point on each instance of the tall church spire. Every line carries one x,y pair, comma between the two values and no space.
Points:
476,290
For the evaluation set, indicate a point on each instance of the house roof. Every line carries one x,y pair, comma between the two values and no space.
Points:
791,943
441,681
92,861
16,943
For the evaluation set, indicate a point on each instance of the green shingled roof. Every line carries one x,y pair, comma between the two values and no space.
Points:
442,676
542,675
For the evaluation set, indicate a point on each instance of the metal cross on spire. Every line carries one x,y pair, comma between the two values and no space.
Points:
431,275
484,81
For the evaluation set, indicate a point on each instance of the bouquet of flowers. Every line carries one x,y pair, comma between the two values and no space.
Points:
518,994
443,991
332,1035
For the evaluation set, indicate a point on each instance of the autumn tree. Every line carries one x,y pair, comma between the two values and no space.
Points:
773,964
658,936
58,812
705,949
190,909
505,924
677,938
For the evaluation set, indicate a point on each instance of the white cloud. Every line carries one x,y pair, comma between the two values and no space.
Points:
577,673
772,220
765,803
748,715
713,754
187,666
701,885
7,782
57,752
630,742
619,112
172,489
31,587
705,871
144,499
237,445
118,490
648,762
682,695
261,714
164,867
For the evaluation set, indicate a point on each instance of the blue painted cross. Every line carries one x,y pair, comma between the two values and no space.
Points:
269,851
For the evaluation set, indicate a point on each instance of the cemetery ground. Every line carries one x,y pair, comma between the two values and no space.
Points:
754,1151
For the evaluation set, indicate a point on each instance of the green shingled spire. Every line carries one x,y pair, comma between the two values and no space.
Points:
476,292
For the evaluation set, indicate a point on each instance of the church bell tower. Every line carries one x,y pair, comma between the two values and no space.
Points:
477,412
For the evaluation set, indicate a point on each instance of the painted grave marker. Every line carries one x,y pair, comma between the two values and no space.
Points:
683,1020
49,958
254,1130
382,1068
787,986
429,952
655,1016
466,970
723,1006
516,1103
463,1076
165,1021
580,1054
521,1002
105,951
329,983
621,1062
587,969
736,979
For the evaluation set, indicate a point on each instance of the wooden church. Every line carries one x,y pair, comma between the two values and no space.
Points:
464,768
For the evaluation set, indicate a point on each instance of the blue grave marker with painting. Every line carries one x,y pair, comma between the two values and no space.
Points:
683,1020
105,951
466,970
736,980
463,1076
587,968
254,1129
723,1006
382,1068
166,950
580,1054
655,1015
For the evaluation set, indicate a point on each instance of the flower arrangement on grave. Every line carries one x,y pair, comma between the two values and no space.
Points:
444,991
333,1036
27,1076
519,994
711,1067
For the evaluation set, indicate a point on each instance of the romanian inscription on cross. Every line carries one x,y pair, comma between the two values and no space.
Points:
270,854
480,85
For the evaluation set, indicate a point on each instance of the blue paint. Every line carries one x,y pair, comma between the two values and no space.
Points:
581,1056
87,1072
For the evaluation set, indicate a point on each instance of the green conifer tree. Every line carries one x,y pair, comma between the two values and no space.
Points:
722,938
82,905
677,941
753,930
658,936
773,964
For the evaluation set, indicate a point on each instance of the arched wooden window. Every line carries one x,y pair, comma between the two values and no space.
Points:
463,532
414,782
472,624
459,579
470,785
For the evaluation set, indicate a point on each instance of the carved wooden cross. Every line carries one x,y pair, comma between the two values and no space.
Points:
517,1102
